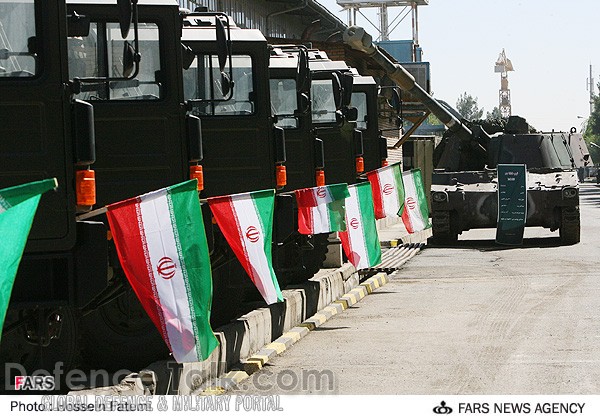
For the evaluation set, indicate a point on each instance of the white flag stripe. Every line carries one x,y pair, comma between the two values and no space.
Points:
356,235
390,201
320,218
172,292
255,251
414,213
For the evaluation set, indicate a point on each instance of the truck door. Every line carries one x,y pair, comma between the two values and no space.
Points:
34,134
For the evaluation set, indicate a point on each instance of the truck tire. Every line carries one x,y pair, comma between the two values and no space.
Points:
120,335
444,231
19,350
303,263
570,226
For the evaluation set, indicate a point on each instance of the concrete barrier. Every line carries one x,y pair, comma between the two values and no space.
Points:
269,329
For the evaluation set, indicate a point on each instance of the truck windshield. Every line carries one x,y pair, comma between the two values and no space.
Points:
284,101
100,54
359,101
323,102
17,39
204,83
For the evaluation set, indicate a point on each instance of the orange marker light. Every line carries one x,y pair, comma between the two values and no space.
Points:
320,178
85,187
280,176
360,164
196,172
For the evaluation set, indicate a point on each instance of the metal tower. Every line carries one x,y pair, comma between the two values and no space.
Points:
503,66
590,88
410,6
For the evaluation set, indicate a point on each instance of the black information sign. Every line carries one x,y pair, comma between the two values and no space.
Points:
512,203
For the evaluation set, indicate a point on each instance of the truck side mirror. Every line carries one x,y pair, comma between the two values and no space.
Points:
358,142
303,72
303,104
319,154
128,59
125,13
222,47
83,131
194,136
383,150
347,83
280,156
351,114
337,90
188,56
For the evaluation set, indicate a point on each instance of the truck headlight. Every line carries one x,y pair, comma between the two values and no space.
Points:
569,192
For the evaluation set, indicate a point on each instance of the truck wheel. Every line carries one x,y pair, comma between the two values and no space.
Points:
305,262
120,335
570,226
23,353
444,232
444,238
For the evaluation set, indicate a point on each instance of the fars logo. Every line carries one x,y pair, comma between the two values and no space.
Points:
34,383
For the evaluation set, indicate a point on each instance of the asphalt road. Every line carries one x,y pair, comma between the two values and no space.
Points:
473,319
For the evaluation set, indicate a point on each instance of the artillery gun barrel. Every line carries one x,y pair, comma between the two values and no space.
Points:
358,39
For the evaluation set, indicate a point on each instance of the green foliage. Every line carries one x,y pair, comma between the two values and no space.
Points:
591,134
468,108
494,114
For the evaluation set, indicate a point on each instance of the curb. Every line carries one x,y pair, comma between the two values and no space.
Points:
414,238
257,361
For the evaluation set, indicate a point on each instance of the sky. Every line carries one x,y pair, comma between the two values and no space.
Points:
551,44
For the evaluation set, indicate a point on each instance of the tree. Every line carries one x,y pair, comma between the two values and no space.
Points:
468,108
494,114
591,134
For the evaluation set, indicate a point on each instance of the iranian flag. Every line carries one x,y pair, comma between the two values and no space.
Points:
18,205
321,209
388,191
360,240
415,214
162,247
246,221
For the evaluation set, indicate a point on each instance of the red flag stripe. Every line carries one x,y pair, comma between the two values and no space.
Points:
125,220
373,178
306,197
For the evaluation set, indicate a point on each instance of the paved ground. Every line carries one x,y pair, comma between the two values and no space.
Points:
474,319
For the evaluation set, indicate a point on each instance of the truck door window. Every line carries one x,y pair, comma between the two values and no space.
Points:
323,102
284,101
18,54
204,83
100,54
359,101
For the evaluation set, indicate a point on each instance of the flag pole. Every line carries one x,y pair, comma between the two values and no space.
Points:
102,211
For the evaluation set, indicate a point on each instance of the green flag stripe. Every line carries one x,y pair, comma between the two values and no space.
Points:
263,203
186,218
399,187
367,213
338,191
12,196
